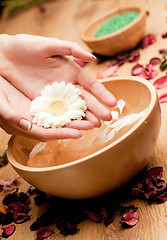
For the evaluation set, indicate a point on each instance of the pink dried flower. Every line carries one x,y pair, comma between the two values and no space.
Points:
163,98
8,230
161,82
108,72
147,73
148,40
130,218
43,233
9,184
155,61
164,35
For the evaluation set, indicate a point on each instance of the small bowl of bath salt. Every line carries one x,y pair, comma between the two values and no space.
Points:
106,157
115,31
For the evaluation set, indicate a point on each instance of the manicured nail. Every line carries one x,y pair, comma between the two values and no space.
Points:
81,137
92,56
25,124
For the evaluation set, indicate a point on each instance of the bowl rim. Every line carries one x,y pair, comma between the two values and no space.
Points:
142,12
151,105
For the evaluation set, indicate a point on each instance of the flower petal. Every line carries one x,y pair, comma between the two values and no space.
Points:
161,82
108,72
163,98
137,69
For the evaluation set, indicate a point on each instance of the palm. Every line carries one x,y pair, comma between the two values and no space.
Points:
31,62
33,68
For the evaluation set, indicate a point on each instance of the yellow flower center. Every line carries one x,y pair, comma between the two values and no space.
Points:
57,107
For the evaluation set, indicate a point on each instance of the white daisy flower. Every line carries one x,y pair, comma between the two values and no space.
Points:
58,105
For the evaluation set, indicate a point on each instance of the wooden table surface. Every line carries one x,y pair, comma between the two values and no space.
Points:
64,19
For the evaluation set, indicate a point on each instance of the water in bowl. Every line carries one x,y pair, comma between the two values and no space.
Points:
33,153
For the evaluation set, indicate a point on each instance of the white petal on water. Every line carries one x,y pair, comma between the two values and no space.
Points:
38,148
114,115
109,132
127,120
104,136
120,105
65,141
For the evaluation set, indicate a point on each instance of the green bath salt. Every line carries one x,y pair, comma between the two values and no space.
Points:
116,23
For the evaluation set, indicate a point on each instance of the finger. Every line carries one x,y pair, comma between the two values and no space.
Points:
94,106
92,118
12,116
61,47
81,125
43,134
96,88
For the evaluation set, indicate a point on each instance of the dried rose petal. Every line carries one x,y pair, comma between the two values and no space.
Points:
155,190
161,82
14,208
68,228
108,216
8,230
44,232
108,72
163,98
80,62
124,206
152,38
130,218
154,73
155,172
163,50
119,61
164,35
147,40
134,56
21,218
95,215
155,61
10,198
9,184
137,69
148,72
145,74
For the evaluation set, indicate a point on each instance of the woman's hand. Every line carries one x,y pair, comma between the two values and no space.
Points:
31,62
15,118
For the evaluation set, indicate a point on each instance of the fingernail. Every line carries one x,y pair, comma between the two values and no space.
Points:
91,55
81,137
25,124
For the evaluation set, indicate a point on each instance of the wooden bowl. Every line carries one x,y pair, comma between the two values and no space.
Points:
122,40
91,167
